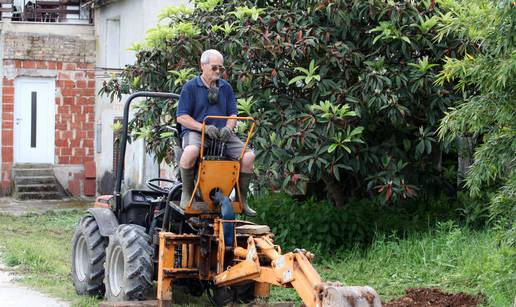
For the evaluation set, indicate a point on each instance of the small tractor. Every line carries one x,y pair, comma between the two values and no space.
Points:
127,242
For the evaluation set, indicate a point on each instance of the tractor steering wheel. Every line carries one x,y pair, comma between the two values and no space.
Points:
156,188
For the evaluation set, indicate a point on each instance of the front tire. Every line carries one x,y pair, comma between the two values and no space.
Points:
128,264
88,256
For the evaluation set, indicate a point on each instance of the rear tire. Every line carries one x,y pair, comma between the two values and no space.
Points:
88,256
128,264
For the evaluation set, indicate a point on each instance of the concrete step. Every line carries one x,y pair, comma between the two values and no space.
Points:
32,165
36,187
39,195
35,181
29,172
24,180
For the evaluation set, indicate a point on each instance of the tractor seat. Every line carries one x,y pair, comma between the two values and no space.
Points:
253,229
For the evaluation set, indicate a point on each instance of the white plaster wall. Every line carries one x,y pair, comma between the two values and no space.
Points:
81,30
151,12
131,29
136,17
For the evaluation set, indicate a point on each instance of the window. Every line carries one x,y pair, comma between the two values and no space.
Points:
112,43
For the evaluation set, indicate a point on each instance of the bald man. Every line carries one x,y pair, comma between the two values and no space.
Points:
205,95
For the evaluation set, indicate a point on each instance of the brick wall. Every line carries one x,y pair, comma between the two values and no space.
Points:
49,47
70,61
75,114
7,134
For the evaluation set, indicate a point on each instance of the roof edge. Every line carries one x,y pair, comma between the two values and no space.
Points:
100,3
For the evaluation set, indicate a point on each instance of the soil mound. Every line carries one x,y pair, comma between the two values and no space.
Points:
424,297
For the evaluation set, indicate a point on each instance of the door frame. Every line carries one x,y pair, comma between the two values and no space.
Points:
51,85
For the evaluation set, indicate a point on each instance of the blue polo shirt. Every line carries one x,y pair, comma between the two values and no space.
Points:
193,101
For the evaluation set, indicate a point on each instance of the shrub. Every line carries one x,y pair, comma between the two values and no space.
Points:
343,91
322,227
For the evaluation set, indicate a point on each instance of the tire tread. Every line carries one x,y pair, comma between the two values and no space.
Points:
96,244
137,254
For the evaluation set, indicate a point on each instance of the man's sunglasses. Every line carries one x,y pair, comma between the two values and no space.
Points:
218,67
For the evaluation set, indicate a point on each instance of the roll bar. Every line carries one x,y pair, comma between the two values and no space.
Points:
123,140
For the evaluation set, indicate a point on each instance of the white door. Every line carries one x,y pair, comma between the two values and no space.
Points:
34,120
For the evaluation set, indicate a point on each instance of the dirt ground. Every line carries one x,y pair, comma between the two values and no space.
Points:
424,297
16,207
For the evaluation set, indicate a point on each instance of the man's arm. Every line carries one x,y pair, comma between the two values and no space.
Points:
184,109
188,122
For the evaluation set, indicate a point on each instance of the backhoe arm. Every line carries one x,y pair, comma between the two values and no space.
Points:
263,262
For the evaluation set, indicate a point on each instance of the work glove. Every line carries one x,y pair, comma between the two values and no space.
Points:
212,132
225,134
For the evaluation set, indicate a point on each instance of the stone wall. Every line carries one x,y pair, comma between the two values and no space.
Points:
70,61
48,47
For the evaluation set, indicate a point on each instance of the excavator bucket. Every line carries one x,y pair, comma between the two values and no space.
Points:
335,295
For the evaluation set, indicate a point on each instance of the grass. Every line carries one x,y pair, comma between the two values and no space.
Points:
451,258
39,248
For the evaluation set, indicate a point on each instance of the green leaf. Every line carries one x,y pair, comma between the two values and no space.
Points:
165,135
356,131
377,38
295,79
303,70
405,39
420,148
332,148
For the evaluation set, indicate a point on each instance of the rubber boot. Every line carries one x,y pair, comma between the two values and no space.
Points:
187,178
243,182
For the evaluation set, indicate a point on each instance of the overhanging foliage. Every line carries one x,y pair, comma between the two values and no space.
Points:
343,91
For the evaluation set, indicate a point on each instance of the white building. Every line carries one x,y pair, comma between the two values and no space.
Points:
47,93
118,25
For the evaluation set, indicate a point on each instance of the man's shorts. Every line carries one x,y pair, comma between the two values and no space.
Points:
232,149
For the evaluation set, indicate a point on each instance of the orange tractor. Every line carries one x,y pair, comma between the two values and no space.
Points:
125,243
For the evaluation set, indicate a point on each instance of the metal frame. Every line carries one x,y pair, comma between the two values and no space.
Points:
123,140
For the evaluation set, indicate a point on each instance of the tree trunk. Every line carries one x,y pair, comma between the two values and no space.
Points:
335,189
465,151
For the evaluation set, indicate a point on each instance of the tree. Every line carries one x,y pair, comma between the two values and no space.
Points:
488,80
343,91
